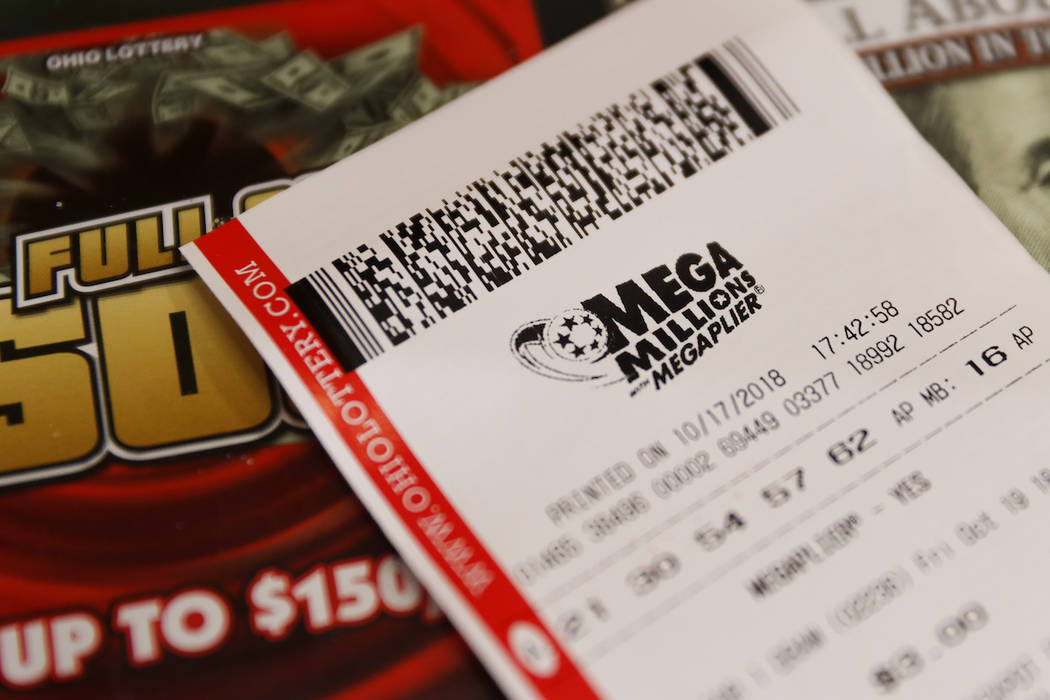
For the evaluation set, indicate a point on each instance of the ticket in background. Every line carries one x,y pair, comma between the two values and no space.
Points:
973,79
168,525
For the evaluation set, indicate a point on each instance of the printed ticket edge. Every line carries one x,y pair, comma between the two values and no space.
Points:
504,625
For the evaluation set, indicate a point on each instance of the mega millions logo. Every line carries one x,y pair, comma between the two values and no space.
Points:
651,330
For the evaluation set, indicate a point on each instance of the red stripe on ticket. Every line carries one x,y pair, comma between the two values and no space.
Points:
383,455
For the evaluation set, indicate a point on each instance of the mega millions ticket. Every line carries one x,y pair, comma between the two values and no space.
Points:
677,364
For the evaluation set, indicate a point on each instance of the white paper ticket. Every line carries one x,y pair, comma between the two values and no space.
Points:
677,365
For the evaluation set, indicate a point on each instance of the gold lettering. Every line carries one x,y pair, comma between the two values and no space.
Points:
44,258
103,254
230,392
54,391
189,224
150,254
256,198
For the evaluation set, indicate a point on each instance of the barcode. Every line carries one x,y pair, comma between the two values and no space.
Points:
498,227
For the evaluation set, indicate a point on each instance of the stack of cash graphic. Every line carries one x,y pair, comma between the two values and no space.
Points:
368,93
64,109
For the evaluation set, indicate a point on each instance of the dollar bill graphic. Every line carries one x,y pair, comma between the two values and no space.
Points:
990,119
415,99
358,115
105,91
357,139
389,62
34,89
171,103
306,79
340,106
90,116
225,49
12,136
278,47
993,130
226,86
454,90
94,74
265,88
